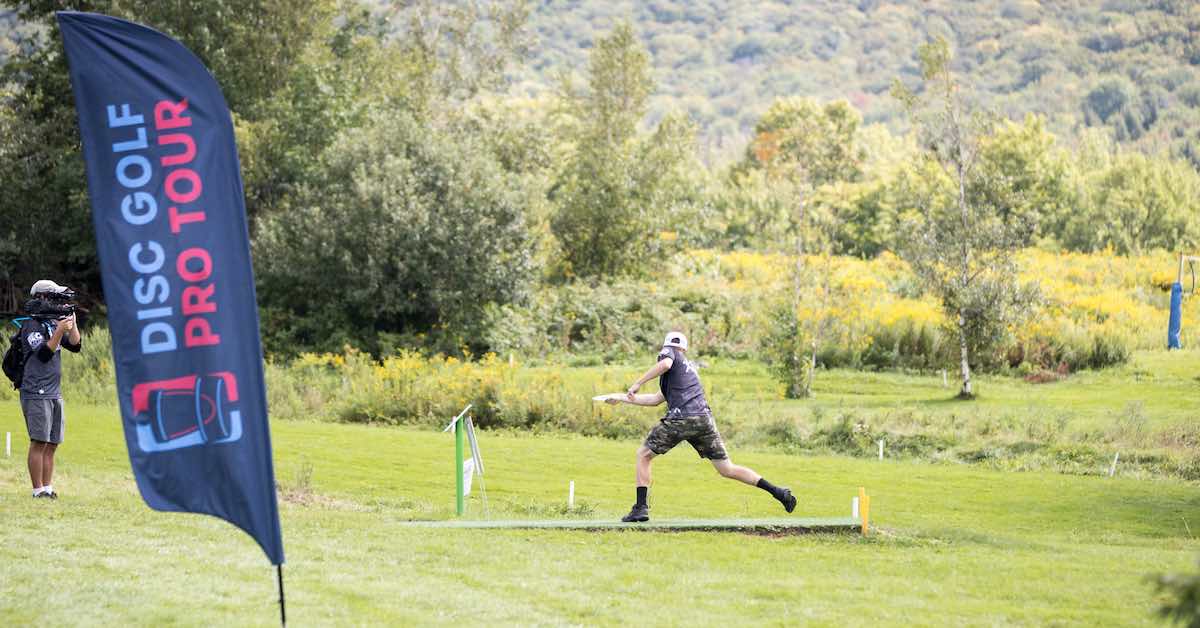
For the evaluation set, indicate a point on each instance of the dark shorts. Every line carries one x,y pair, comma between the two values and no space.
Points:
699,431
44,419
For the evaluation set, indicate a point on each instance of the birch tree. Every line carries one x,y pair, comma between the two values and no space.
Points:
961,245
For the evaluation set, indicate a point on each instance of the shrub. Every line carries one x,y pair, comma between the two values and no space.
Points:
411,389
846,436
1182,597
785,433
623,318
407,231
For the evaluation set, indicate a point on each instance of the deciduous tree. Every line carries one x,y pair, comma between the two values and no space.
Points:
407,232
619,188
962,246
801,145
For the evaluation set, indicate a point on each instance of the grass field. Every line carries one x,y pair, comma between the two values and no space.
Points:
1162,383
956,544
1146,410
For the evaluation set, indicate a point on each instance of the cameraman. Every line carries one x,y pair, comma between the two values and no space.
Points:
51,325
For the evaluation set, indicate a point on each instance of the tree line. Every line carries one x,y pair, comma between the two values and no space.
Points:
397,186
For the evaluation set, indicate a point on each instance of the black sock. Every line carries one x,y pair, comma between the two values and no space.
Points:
641,495
768,487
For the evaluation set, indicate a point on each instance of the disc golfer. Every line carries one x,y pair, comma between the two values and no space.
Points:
688,418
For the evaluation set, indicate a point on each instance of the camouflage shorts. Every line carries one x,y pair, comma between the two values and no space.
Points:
700,431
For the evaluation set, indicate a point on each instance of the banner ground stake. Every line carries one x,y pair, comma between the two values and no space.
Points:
282,606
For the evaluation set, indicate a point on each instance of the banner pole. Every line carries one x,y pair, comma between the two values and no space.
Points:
458,464
282,606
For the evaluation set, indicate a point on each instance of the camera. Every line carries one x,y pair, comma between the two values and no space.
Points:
51,305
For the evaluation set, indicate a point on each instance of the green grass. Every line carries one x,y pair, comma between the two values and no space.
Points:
775,525
957,544
1162,383
1145,410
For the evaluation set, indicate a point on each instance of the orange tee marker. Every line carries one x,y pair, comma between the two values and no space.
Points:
864,501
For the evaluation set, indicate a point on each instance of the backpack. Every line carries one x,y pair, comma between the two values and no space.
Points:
14,359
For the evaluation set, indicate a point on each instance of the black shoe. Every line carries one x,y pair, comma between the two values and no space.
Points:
42,496
786,498
640,512
51,495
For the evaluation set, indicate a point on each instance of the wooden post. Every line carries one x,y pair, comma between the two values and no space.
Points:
1183,259
864,508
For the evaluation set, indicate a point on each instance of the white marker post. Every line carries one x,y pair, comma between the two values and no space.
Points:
571,494
854,507
881,449
1113,469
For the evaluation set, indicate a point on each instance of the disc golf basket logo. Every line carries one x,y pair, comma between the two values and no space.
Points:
187,411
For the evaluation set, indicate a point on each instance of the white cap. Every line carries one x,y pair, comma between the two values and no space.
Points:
45,285
675,339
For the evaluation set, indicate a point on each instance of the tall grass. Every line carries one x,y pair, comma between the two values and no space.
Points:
410,389
1096,310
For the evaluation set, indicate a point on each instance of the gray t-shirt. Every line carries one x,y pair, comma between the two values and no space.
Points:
43,369
681,385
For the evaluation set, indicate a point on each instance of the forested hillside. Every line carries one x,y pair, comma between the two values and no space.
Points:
1128,65
12,31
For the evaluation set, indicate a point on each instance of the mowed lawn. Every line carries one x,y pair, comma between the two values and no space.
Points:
955,545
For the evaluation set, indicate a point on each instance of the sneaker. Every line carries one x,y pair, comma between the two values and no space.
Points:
42,496
51,495
640,512
786,498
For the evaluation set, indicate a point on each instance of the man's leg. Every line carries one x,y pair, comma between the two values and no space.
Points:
746,475
57,422
641,509
48,450
644,459
661,439
34,462
37,424
709,444
732,471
